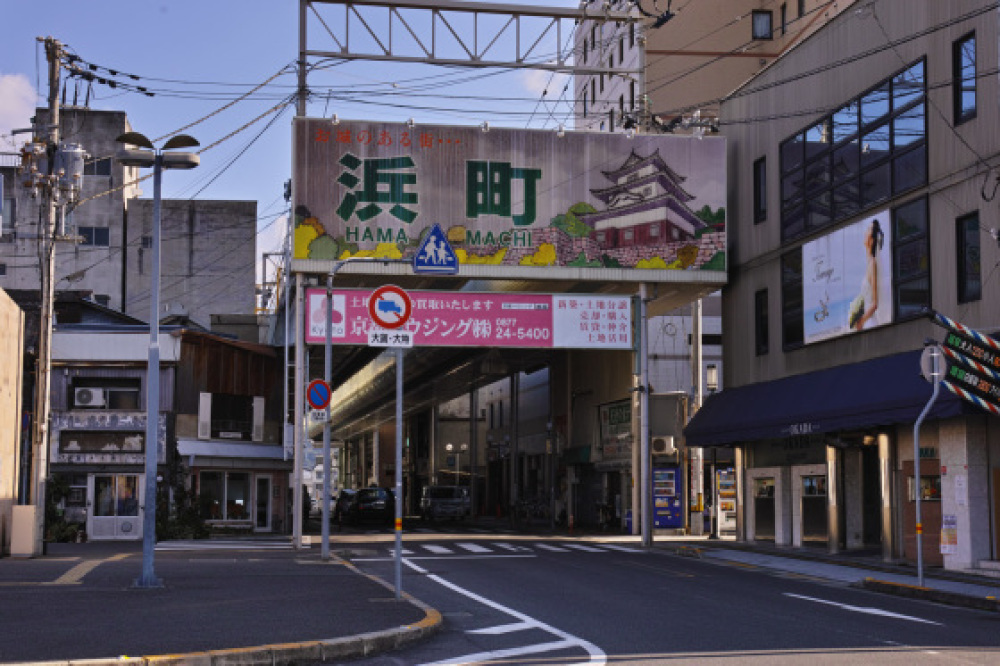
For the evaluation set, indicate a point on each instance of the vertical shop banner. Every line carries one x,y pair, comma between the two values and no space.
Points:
847,280
511,199
481,319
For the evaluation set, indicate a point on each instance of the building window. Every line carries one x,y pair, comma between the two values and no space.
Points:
911,259
761,24
102,299
621,50
602,82
7,219
3,270
784,19
631,95
761,334
146,242
792,329
95,236
593,91
963,78
224,495
98,167
585,50
631,35
116,394
802,8
760,190
970,285
611,120
621,105
872,148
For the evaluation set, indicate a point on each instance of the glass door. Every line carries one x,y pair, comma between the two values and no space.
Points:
262,504
114,506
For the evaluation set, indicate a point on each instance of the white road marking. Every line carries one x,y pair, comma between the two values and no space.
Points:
554,549
222,545
567,641
622,549
586,549
474,548
863,609
502,629
437,550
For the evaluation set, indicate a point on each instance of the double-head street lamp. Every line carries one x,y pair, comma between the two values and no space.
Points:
145,156
460,449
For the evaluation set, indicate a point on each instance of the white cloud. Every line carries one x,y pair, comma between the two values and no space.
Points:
537,81
17,106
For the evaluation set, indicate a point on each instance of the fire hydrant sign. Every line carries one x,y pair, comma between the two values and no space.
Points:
474,319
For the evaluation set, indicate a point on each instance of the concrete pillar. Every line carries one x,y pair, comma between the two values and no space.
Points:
965,490
832,501
885,497
853,501
739,462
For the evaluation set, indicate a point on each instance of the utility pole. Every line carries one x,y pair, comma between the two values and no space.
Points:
43,365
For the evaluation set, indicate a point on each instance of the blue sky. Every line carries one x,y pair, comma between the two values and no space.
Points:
199,56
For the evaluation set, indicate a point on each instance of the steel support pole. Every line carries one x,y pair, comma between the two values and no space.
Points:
645,485
148,577
399,473
327,371
299,426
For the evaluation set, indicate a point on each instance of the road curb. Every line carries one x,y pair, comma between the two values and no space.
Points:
929,594
346,647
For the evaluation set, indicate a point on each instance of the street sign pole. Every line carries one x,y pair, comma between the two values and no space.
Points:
930,363
399,473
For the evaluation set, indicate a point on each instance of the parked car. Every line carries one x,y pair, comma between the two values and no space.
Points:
371,505
342,506
439,502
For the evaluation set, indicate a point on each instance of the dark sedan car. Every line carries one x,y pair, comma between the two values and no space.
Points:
342,506
371,505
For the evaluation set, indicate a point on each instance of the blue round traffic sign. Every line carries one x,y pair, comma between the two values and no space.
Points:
318,394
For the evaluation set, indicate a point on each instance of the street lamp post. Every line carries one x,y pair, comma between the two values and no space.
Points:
148,156
459,450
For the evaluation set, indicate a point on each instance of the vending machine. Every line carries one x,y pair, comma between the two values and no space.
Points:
725,480
668,497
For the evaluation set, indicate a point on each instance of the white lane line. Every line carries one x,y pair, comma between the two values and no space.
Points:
554,549
586,549
502,629
863,609
621,549
597,655
447,557
474,548
437,550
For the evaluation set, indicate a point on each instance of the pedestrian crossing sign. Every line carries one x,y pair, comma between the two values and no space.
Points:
435,256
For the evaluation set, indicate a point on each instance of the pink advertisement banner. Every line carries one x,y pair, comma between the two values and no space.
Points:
476,319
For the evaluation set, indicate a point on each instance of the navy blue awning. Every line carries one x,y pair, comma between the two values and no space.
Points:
879,392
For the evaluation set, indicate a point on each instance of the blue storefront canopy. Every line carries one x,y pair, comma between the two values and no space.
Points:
880,392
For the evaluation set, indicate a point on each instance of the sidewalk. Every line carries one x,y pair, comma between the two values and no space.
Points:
864,569
216,607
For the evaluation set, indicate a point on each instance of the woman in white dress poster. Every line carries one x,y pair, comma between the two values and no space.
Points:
864,308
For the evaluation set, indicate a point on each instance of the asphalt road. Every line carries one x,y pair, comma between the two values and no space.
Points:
529,600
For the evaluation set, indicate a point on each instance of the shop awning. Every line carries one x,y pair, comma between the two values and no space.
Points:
879,392
232,454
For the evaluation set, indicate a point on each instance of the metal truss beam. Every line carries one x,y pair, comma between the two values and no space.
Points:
450,32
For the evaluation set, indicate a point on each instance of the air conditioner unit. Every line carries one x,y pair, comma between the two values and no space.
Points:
663,445
89,397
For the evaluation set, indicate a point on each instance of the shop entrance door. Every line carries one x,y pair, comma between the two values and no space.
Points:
114,506
814,508
763,508
262,504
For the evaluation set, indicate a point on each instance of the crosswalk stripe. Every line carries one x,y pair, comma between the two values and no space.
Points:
554,549
474,548
437,550
222,545
586,549
622,549
511,547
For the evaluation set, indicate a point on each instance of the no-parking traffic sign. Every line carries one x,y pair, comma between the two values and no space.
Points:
390,307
